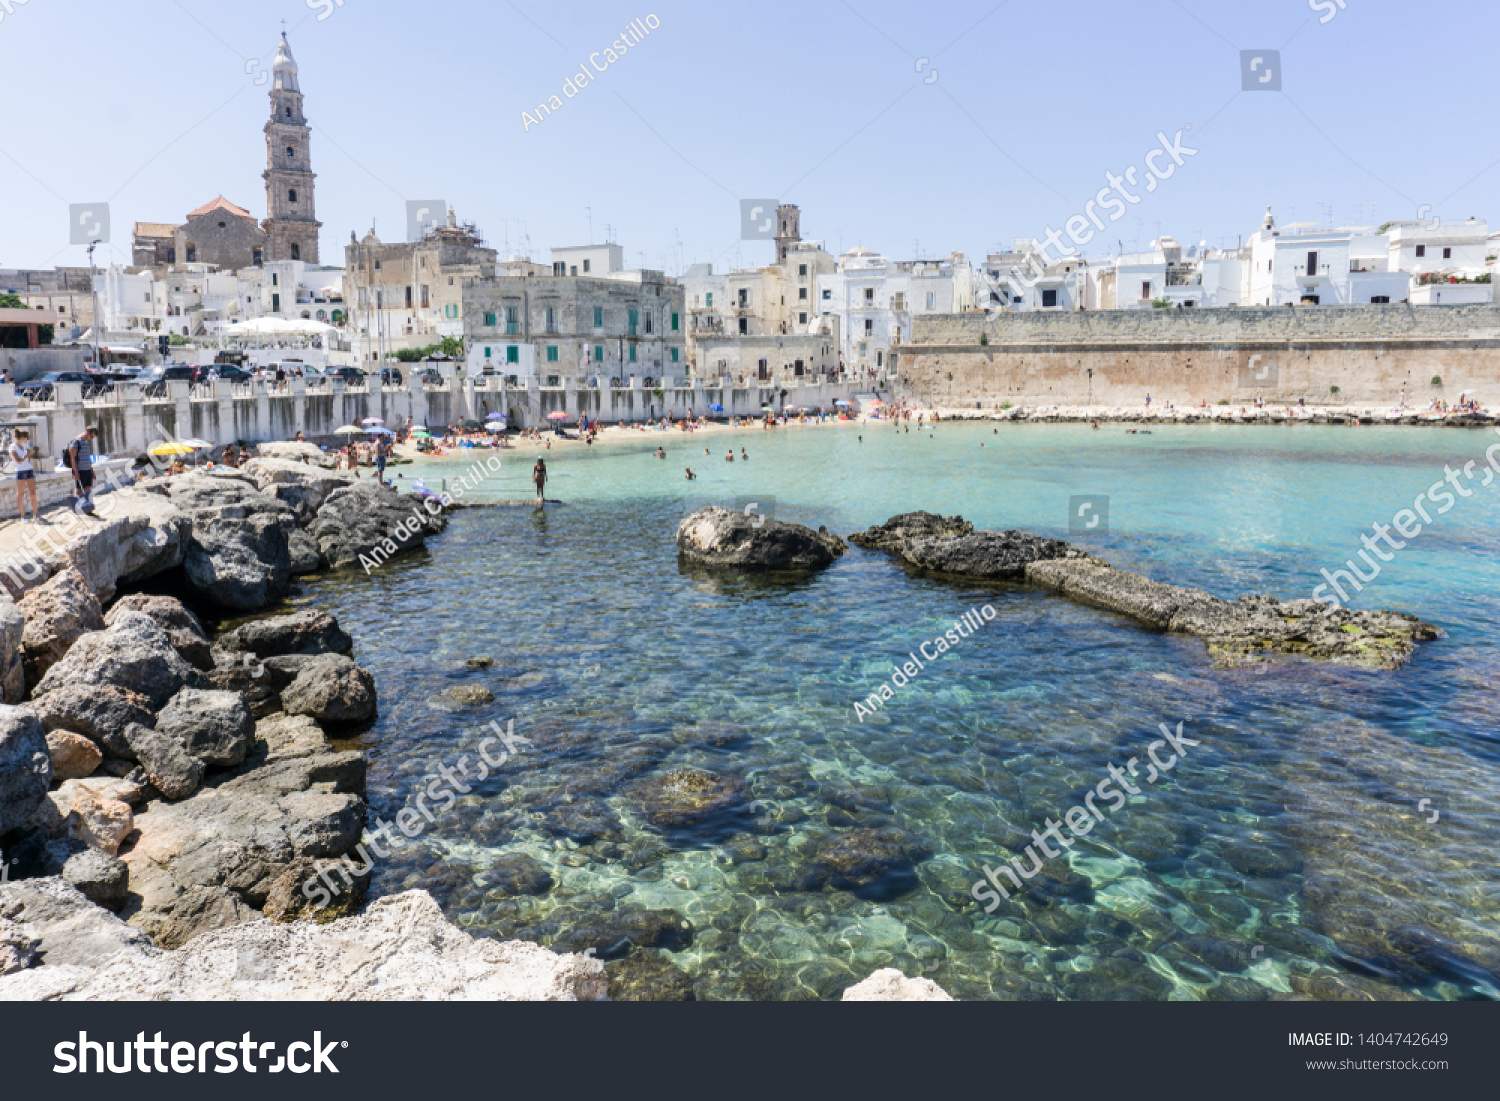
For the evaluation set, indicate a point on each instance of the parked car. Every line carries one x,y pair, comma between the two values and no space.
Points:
348,374
391,376
154,380
431,376
228,372
40,389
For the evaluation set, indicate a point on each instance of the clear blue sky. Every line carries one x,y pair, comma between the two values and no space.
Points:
147,104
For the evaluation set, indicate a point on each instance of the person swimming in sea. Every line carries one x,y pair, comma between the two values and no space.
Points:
729,458
690,474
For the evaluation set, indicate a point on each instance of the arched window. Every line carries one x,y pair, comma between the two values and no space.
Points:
291,151
291,195
296,251
288,112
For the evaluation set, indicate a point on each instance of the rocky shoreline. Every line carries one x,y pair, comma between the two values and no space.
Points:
168,793
165,794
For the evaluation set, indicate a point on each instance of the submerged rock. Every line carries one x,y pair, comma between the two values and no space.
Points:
721,537
686,797
612,936
518,874
874,863
648,977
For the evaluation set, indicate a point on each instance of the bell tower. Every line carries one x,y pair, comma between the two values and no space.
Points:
291,223
788,230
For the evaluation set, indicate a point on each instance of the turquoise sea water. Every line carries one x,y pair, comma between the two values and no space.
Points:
1289,853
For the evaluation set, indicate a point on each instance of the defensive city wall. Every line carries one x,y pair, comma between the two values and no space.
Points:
1115,358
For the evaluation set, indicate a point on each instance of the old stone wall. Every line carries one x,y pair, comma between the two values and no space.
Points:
1186,357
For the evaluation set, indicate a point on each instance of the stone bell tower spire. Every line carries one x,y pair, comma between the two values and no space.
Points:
291,223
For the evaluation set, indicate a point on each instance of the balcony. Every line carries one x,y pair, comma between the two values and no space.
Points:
1184,279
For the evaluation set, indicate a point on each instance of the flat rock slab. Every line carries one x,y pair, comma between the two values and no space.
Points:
400,949
1236,632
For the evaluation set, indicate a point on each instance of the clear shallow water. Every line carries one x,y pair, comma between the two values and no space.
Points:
1286,854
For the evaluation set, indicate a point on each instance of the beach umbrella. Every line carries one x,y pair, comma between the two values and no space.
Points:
348,430
557,416
421,434
196,444
472,424
497,427
172,449
716,408
379,430
495,417
843,405
373,420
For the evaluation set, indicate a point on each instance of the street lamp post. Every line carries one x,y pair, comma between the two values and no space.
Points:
94,297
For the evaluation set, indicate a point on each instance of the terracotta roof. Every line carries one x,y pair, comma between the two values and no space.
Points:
154,229
223,204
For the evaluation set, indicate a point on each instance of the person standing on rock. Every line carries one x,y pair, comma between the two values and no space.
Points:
81,462
539,476
382,453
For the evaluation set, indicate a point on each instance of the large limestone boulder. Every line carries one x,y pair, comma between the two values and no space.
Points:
303,453
890,985
100,712
25,766
57,614
174,771
356,520
74,756
400,949
215,727
183,628
237,554
134,654
331,689
68,930
302,486
298,633
716,536
12,669
892,535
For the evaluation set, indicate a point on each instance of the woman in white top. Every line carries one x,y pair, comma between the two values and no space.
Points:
21,452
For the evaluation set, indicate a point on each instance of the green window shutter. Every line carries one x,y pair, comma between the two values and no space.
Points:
709,299
674,322
674,355
486,353
512,354
489,319
552,353
598,353
598,317
632,353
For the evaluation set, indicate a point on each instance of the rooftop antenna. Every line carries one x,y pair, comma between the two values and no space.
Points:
591,223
